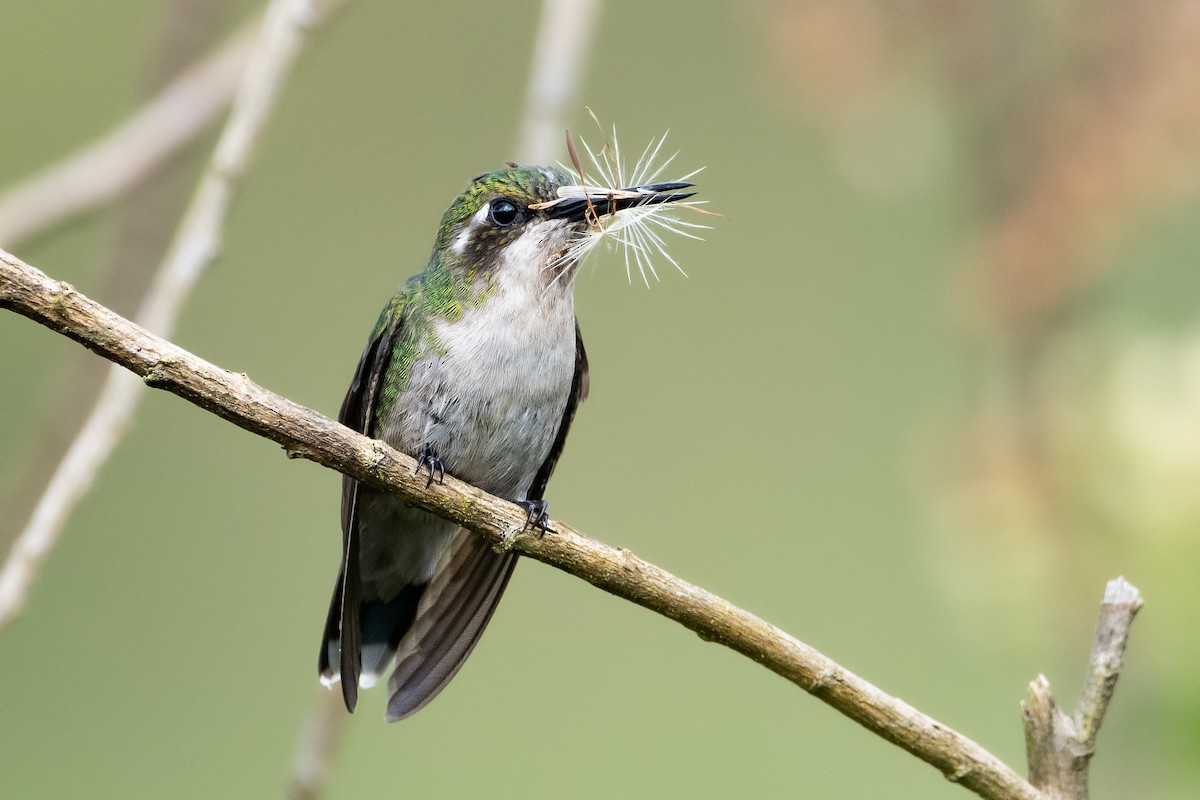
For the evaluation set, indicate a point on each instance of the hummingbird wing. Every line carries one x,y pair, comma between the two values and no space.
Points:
465,589
451,615
342,626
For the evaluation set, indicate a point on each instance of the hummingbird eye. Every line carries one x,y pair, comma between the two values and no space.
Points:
504,212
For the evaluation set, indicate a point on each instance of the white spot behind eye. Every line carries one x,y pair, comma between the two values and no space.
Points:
459,245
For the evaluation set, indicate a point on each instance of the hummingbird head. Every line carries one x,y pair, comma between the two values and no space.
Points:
535,218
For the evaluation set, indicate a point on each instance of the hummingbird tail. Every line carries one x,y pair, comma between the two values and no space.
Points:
383,626
380,627
427,629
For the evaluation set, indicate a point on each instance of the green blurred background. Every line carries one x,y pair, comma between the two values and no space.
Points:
933,380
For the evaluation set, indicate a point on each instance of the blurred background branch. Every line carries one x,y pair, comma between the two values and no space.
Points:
135,149
195,245
316,751
560,57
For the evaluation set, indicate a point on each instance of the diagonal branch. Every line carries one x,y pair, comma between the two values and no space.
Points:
304,433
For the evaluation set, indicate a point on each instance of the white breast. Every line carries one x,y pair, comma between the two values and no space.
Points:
491,404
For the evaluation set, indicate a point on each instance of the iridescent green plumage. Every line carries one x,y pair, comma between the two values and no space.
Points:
453,281
525,185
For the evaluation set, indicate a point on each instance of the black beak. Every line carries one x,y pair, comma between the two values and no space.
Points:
576,209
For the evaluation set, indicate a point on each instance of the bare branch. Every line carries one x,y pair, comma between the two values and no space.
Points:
306,434
320,739
106,168
1060,748
1120,605
195,245
559,55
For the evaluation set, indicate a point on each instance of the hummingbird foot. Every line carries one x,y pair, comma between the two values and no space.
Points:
537,519
428,459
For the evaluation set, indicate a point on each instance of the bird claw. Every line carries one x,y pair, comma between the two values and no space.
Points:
536,519
428,459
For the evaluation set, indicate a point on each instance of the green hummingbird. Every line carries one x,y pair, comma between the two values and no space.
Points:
475,367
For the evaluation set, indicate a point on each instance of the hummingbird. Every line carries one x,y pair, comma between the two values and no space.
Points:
476,368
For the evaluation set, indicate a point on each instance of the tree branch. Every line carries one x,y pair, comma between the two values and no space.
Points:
1060,748
304,433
